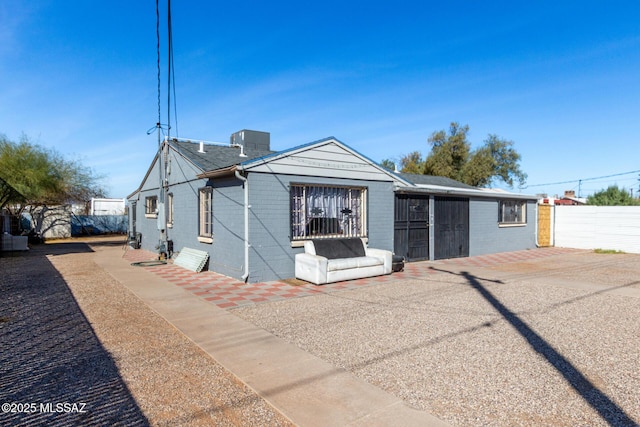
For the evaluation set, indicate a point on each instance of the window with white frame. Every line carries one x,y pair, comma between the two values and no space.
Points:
205,230
327,211
170,210
512,212
151,206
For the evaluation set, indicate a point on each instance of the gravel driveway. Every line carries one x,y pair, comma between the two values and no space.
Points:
554,341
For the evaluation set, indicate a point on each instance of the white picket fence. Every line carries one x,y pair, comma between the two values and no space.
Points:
597,227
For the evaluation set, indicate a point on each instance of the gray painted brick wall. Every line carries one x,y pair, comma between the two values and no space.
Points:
227,249
184,187
486,237
271,255
185,215
148,227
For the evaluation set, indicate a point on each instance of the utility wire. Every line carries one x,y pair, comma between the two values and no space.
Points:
581,180
169,67
158,52
172,74
165,129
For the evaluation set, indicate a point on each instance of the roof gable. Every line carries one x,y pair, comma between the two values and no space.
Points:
213,157
326,158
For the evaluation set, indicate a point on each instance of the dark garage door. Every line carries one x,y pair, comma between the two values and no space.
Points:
411,227
451,227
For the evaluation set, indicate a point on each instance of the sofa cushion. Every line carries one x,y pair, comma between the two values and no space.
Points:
349,263
339,248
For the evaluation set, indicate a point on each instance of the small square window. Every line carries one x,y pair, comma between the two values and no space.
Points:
151,207
512,212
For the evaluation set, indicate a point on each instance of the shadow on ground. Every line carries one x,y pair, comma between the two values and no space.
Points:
49,353
609,411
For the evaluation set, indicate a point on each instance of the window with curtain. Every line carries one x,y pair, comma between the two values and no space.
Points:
327,211
205,232
512,212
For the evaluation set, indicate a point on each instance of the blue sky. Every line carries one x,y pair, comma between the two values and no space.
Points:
560,79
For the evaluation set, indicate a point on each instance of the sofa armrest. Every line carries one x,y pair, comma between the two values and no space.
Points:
387,256
312,268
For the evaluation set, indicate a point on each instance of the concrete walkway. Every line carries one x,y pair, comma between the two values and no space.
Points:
306,389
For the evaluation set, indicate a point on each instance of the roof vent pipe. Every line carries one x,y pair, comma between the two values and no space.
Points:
241,147
201,150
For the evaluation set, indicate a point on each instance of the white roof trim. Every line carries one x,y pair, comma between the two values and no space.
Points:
454,191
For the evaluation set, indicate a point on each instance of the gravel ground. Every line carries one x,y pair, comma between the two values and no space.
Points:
518,344
70,333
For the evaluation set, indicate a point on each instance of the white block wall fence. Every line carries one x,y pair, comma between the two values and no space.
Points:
598,227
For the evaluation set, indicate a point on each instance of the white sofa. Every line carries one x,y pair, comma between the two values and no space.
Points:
333,260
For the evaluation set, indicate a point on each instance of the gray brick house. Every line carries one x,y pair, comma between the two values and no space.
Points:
251,208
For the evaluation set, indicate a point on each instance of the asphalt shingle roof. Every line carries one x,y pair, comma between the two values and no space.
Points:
216,156
434,180
221,156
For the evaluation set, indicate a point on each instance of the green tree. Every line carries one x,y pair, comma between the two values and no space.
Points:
475,170
449,153
9,195
412,163
451,156
44,178
612,196
388,164
496,159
